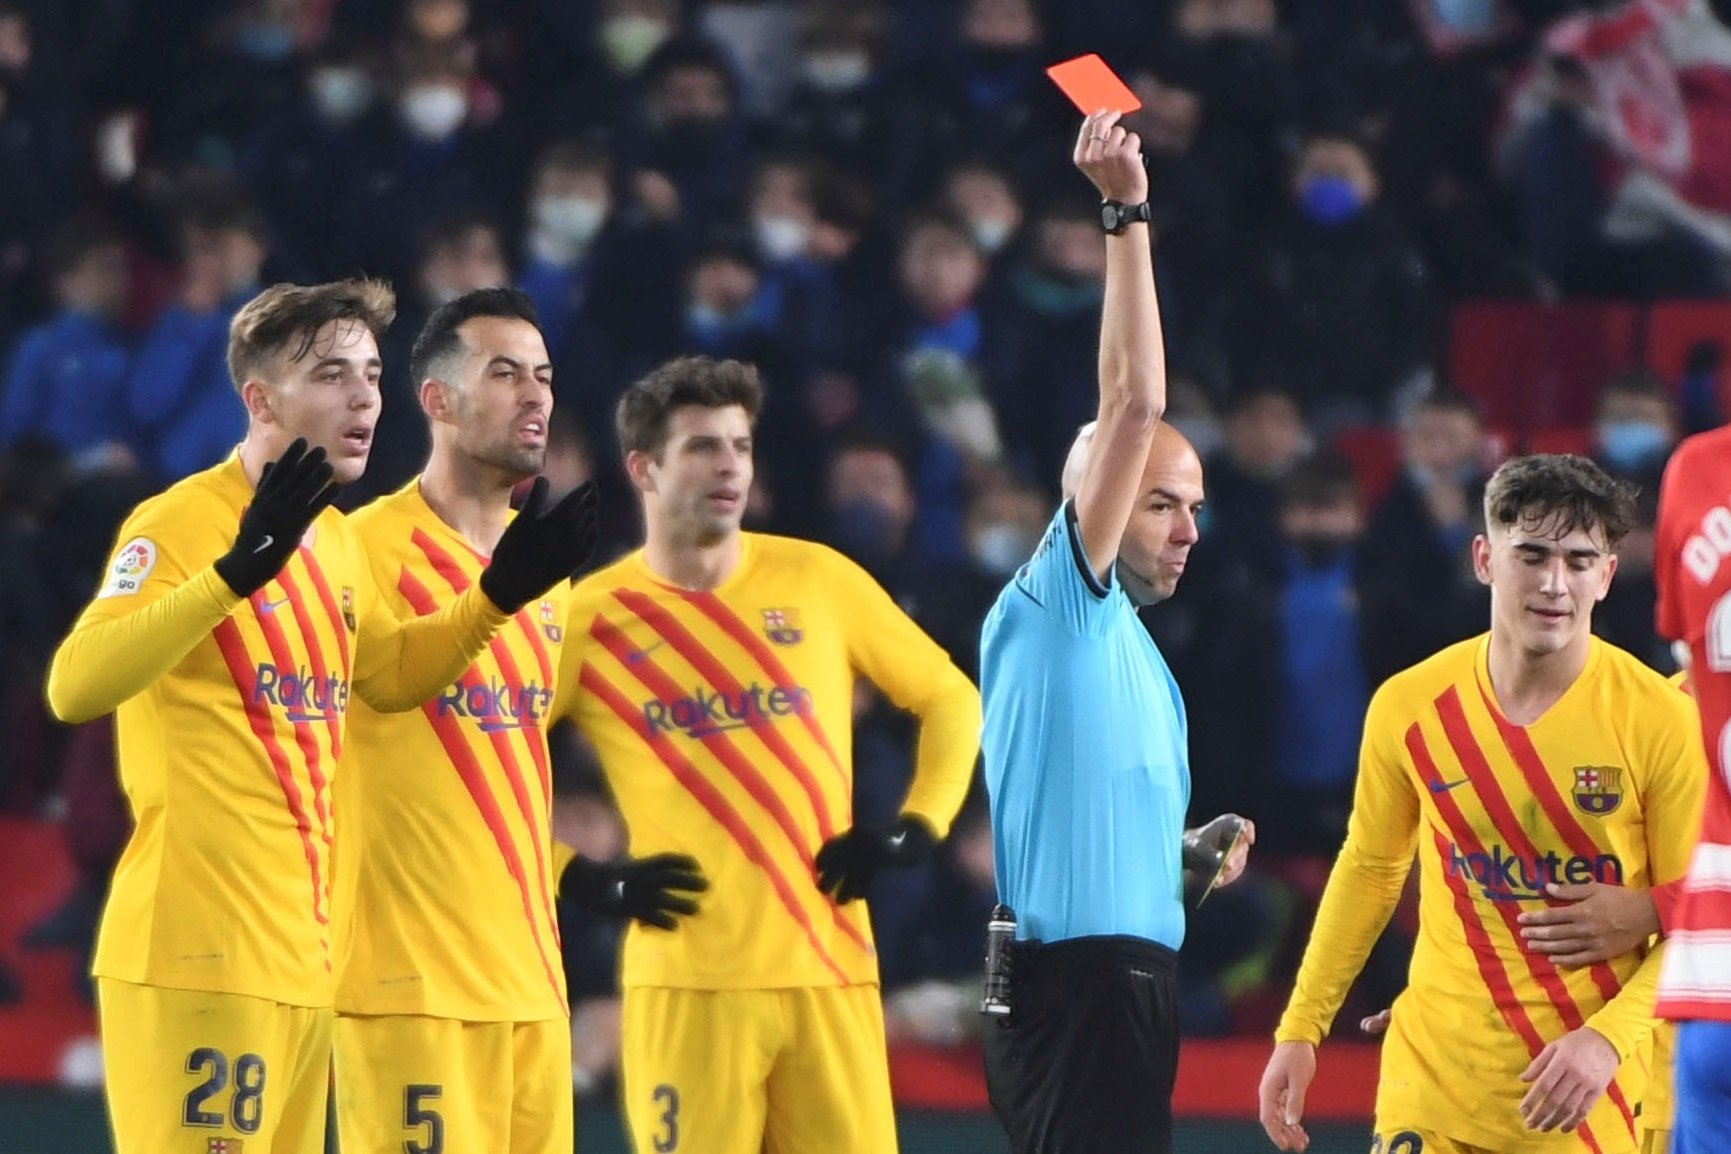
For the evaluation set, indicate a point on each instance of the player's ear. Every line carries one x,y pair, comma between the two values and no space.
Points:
637,464
1482,559
260,401
1610,572
436,399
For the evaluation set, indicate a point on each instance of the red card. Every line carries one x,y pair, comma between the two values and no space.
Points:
1091,85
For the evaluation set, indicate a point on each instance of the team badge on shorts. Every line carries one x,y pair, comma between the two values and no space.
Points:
1598,789
224,1146
550,623
782,626
349,608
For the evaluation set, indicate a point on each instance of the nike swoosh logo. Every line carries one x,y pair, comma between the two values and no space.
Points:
273,606
265,544
897,840
1445,786
637,655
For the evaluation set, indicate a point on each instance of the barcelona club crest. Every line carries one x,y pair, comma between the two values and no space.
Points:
349,608
550,623
1598,789
782,626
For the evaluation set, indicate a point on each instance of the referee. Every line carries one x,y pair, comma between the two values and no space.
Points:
1084,742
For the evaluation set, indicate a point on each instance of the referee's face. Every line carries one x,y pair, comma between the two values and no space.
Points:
1162,528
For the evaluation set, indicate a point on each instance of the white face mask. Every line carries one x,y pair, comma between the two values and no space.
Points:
630,40
434,111
837,72
1000,549
781,237
341,94
991,235
572,219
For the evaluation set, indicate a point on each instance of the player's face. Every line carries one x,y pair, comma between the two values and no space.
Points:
701,481
330,395
1162,526
503,395
1544,582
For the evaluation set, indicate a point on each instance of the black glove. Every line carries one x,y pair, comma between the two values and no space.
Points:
645,888
1206,846
292,490
542,546
849,861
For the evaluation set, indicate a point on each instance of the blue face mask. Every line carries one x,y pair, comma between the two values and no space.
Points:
1465,17
1631,445
1329,200
265,42
865,531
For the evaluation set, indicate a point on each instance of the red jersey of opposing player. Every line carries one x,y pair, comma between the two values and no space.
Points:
1692,569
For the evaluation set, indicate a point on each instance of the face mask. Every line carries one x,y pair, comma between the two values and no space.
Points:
630,40
433,111
1465,17
690,136
712,328
1630,445
834,73
781,237
1329,200
341,94
991,235
1320,551
1001,549
865,531
265,42
573,219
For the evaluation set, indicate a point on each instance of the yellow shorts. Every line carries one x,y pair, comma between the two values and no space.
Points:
189,1070
1404,1140
441,1086
800,1071
1656,1141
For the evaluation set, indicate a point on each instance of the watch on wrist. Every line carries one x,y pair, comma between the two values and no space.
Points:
1116,216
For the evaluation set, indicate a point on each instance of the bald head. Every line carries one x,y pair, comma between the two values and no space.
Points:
1169,452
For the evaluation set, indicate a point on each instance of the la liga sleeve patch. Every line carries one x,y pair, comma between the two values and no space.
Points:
131,565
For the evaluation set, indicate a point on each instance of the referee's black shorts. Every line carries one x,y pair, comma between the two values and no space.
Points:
1086,1061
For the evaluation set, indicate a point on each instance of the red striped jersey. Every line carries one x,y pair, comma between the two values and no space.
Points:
1692,570
227,758
723,720
1605,786
446,808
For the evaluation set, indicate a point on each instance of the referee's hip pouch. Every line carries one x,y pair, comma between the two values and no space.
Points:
1087,1057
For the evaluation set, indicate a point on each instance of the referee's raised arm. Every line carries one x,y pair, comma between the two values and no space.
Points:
1132,352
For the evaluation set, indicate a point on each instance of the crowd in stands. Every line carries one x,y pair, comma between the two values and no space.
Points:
873,202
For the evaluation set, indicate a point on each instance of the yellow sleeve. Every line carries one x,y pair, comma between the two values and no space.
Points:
1626,1019
563,855
160,597
918,676
567,678
1365,884
400,664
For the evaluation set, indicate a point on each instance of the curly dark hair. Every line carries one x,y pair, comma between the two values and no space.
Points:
647,407
1561,488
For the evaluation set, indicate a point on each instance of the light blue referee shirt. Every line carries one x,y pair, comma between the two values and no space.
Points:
1085,746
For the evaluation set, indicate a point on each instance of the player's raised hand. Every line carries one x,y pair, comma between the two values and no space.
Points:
648,889
1568,1076
848,862
542,546
293,490
1110,155
1377,1024
1597,923
1280,1099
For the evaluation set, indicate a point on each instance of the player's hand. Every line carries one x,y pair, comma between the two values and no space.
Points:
1206,846
1110,155
1377,1024
292,490
1285,1081
1599,922
646,889
848,862
542,546
1568,1076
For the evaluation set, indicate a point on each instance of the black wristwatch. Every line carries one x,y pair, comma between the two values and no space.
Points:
1116,216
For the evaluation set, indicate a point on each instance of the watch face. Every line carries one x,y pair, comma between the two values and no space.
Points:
1109,217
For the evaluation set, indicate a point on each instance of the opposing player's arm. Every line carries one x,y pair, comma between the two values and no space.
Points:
161,597
1132,352
918,676
1365,884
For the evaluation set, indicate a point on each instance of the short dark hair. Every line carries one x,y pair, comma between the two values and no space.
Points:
72,243
285,313
438,338
1570,489
647,408
1448,399
1324,478
217,205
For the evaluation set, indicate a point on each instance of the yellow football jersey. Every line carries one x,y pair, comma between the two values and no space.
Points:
230,721
723,721
446,808
1606,786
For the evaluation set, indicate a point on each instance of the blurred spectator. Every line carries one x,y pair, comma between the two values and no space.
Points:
40,158
180,399
1635,427
581,63
692,155
1420,592
1704,390
1343,316
838,107
986,198
1265,437
1625,616
67,375
782,208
